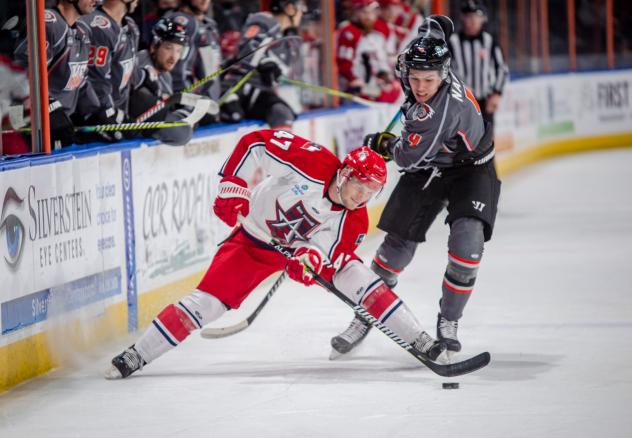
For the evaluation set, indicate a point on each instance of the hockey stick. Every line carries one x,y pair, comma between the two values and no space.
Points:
333,92
222,332
445,370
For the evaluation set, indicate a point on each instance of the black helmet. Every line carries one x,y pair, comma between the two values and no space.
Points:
473,6
424,54
276,6
166,29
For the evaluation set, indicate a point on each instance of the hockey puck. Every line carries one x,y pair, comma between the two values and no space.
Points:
450,385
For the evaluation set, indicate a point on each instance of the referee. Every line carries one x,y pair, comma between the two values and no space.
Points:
478,59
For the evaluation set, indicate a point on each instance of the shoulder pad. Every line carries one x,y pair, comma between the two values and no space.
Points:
49,16
100,21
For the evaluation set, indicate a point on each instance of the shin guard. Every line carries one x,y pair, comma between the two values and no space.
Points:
176,321
366,288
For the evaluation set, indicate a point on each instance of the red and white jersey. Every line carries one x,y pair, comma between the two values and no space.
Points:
289,177
361,55
391,38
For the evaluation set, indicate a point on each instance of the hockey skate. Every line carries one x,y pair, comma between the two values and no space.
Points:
125,364
446,334
431,348
347,340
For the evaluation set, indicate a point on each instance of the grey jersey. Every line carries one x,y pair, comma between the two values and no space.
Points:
67,51
446,131
112,57
201,57
144,69
262,27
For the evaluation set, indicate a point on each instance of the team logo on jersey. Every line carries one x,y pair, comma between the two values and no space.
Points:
100,21
414,139
78,72
252,31
423,112
299,190
49,17
128,66
181,19
292,224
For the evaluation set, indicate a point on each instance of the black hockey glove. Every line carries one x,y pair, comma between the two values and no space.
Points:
380,142
269,71
62,130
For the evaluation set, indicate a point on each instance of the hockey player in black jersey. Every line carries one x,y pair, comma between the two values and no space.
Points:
446,155
152,82
67,51
114,44
203,56
258,98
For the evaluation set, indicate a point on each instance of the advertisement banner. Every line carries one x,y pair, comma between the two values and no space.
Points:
174,189
61,238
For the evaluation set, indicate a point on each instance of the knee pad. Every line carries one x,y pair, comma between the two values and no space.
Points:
177,321
465,249
389,277
366,288
394,254
280,114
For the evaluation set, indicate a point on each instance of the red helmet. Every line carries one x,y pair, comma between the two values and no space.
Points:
386,3
361,4
367,166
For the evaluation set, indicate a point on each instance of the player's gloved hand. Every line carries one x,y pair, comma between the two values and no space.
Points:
62,130
233,199
304,258
380,143
269,71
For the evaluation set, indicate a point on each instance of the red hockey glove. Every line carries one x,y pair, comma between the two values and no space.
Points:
305,257
233,198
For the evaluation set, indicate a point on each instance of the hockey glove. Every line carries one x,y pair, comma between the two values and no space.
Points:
233,199
306,260
269,71
62,130
380,143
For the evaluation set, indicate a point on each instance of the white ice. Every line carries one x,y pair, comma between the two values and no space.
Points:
553,305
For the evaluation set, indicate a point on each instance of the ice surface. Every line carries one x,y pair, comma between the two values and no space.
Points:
553,304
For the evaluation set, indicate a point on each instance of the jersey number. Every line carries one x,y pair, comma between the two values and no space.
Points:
285,145
97,55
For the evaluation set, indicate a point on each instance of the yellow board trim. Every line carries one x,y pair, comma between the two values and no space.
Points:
36,354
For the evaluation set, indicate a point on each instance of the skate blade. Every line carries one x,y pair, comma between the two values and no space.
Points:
112,373
335,354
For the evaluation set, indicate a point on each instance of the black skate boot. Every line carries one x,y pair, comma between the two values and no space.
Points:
347,340
446,333
431,348
125,364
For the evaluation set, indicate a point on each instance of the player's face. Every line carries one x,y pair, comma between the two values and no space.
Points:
167,55
87,6
355,193
473,23
424,84
201,5
367,16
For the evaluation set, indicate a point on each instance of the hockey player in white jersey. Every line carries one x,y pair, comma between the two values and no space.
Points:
311,204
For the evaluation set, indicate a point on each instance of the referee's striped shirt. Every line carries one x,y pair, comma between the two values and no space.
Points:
480,63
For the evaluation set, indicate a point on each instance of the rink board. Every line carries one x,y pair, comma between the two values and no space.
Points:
101,240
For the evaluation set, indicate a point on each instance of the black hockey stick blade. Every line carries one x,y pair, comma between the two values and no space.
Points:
222,332
457,368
